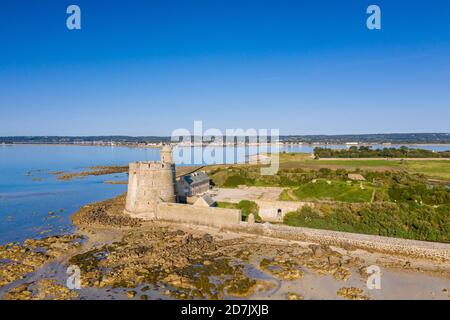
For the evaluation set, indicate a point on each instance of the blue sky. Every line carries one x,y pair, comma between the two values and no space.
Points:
149,67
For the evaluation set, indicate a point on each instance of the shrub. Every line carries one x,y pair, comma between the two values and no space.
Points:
248,207
410,221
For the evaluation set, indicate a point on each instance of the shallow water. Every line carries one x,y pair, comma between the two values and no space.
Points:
28,190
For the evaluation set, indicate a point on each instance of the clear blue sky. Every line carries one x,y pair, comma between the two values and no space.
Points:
148,67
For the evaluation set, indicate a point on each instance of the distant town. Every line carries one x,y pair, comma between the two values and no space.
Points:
156,141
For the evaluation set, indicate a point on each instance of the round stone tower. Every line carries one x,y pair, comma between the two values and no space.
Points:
166,154
150,183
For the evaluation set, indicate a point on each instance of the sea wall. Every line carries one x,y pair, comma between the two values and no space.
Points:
413,248
208,216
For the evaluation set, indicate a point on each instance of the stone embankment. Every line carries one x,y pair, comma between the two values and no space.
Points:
396,246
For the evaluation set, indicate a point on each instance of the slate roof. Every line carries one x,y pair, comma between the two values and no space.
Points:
206,199
196,178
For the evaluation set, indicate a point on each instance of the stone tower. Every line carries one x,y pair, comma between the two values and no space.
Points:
166,154
150,183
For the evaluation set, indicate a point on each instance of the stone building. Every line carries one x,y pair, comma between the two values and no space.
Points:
193,184
205,201
356,177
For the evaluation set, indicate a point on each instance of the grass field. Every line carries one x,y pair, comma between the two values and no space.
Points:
433,169
335,191
304,160
438,169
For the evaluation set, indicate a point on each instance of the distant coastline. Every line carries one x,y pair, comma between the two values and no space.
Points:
387,139
133,145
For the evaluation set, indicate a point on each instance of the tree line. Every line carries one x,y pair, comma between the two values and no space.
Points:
368,152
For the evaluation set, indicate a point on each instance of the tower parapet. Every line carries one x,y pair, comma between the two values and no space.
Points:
166,154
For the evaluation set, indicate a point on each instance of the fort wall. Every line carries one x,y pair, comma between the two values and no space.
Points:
208,216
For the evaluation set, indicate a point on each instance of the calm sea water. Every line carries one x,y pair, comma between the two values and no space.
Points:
28,190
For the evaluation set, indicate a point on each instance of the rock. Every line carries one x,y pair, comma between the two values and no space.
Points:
294,296
179,232
251,218
208,238
44,289
282,269
241,287
187,239
334,260
352,293
290,275
23,259
106,213
131,294
178,281
317,250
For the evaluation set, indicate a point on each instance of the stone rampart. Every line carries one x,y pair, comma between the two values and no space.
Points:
208,216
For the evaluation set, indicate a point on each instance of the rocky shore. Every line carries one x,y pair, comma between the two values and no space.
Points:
93,171
125,258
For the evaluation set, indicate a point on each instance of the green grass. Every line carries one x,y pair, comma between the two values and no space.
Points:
336,191
438,169
235,180
284,196
246,207
435,169
226,205
361,163
293,160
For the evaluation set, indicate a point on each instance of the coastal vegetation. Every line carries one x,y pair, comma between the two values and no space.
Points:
368,152
402,220
396,202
